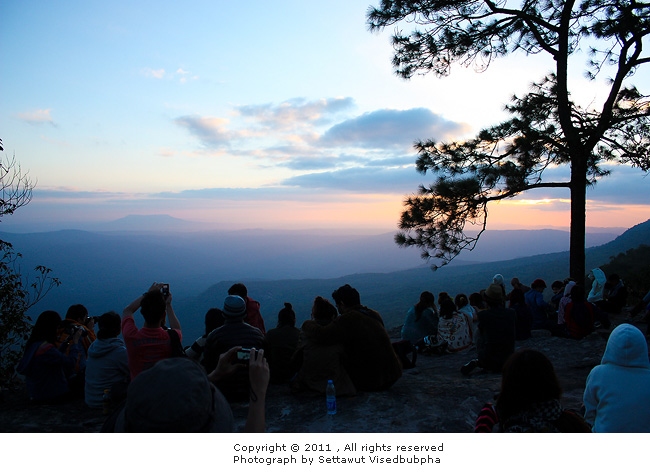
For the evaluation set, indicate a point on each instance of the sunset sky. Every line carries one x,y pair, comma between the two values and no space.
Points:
279,114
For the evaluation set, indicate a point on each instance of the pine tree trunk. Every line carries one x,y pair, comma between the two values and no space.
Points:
578,220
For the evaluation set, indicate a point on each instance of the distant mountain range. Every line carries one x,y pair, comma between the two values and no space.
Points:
106,270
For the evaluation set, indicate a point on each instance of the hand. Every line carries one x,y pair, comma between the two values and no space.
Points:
157,287
258,373
226,365
76,335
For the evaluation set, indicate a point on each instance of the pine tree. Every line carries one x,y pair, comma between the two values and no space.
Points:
546,129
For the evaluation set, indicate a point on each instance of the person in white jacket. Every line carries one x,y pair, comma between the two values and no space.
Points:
617,393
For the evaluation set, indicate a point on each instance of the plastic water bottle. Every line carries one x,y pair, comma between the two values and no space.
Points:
330,396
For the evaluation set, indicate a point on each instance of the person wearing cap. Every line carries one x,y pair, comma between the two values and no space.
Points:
496,339
176,395
151,343
234,332
538,306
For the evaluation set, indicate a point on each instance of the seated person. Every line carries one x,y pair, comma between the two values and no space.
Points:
213,319
618,389
421,319
316,363
153,342
497,331
539,308
46,368
176,395
370,359
253,316
234,332
529,400
524,319
107,366
76,317
598,285
280,344
579,315
614,295
454,327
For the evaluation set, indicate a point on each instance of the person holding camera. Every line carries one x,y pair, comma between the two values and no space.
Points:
234,332
78,322
177,395
153,342
76,318
47,368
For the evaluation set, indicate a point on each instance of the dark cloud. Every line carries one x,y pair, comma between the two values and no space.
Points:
625,185
391,129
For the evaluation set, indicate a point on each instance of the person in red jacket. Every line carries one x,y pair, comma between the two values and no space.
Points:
253,316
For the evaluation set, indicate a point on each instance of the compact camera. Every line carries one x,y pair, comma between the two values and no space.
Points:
244,355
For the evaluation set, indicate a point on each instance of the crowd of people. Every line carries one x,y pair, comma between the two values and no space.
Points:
146,380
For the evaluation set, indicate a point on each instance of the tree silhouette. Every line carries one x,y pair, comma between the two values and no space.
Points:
547,129
17,292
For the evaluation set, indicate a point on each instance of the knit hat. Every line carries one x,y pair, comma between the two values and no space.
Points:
174,396
494,292
234,307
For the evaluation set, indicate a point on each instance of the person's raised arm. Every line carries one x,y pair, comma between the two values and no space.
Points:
171,315
259,374
131,308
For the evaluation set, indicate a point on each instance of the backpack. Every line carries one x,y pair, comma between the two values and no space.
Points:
177,347
406,352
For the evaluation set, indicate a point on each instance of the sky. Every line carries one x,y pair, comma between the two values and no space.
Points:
262,114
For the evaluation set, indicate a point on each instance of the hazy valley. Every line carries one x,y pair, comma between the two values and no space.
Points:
106,269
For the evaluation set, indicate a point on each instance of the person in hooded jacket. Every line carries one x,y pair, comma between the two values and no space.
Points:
617,391
107,366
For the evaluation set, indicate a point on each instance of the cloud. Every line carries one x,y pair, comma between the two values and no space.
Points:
388,128
295,113
625,185
37,117
211,131
360,180
294,134
154,73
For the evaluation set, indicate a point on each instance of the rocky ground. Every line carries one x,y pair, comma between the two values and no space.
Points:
432,397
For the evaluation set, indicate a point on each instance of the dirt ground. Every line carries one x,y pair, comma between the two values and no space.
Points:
432,397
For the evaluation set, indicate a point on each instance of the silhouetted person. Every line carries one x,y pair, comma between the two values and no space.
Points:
253,316
46,368
151,343
371,361
280,345
107,366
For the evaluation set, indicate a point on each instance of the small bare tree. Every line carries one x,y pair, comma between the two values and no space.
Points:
17,293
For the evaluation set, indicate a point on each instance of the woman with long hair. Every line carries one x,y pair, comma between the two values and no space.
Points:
529,400
46,368
421,319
